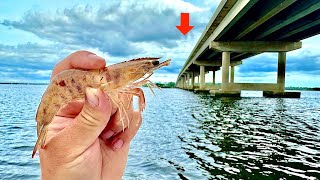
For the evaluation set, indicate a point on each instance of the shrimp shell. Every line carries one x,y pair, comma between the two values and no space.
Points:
70,85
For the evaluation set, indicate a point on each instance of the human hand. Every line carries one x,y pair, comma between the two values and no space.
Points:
79,145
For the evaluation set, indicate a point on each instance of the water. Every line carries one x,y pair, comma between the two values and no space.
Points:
188,136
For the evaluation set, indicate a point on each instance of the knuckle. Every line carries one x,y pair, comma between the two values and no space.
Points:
89,117
80,52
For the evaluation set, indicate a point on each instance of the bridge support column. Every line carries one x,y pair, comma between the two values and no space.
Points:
202,78
281,79
225,70
213,77
225,88
188,81
232,74
192,80
185,82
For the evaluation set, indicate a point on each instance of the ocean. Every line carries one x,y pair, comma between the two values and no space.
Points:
188,136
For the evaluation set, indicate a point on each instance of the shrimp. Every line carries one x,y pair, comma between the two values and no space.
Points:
70,85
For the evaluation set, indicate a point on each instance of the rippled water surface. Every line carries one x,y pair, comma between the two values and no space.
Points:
188,136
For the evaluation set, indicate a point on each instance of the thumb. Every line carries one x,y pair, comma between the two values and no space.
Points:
88,125
94,116
96,111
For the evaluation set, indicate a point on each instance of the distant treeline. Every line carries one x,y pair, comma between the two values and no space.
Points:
24,83
303,88
173,85
164,85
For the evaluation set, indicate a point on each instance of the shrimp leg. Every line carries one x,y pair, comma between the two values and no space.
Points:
139,93
121,108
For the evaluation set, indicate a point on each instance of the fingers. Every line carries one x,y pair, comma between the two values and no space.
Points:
79,60
72,109
117,123
87,126
124,138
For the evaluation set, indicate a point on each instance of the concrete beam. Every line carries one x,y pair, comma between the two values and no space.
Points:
252,86
239,9
255,46
235,63
215,87
290,20
302,28
266,17
217,63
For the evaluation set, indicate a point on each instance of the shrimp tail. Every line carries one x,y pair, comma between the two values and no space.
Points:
42,134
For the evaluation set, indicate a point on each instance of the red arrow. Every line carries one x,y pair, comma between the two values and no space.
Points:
184,27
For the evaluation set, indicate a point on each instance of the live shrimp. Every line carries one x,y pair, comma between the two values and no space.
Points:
70,85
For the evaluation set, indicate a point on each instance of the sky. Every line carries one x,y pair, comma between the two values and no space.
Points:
36,34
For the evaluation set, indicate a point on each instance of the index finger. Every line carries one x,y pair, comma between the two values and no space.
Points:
79,60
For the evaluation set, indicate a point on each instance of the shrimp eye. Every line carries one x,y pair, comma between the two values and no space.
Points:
155,63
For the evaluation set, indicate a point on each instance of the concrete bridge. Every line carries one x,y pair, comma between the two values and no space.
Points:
240,29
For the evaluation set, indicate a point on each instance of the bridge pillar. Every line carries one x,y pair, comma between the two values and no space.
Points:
184,82
192,80
202,78
232,74
225,85
213,77
281,71
281,79
188,81
225,70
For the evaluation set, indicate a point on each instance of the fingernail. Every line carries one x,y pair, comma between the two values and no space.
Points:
94,56
118,144
92,97
108,134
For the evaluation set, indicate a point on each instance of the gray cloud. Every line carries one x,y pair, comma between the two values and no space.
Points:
115,29
257,66
30,62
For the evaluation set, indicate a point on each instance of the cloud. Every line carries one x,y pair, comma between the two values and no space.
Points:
306,62
115,29
29,62
122,30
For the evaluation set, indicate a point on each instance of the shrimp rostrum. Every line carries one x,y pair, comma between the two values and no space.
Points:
70,85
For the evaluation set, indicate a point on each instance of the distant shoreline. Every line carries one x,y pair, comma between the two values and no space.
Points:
25,83
171,85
